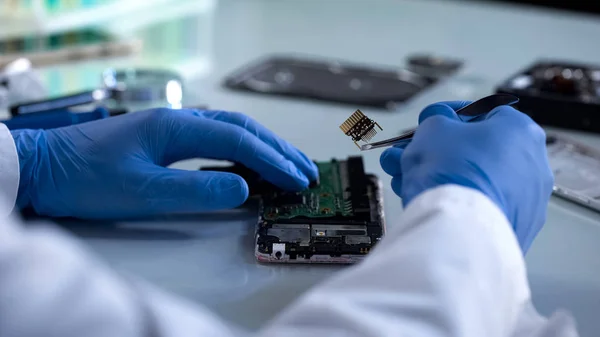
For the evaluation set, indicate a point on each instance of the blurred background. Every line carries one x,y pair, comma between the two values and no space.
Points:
72,42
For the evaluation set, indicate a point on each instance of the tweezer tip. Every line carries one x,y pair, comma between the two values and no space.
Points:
365,147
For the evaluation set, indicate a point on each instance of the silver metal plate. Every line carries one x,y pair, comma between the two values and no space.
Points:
291,233
357,240
338,230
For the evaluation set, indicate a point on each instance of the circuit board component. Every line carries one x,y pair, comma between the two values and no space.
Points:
337,219
327,199
360,127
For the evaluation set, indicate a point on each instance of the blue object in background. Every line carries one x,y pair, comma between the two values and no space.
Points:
54,119
61,102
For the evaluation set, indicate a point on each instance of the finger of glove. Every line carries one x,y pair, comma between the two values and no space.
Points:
167,190
201,137
414,184
438,109
397,185
515,121
455,105
290,152
390,161
507,112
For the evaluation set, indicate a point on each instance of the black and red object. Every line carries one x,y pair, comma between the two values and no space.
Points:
558,93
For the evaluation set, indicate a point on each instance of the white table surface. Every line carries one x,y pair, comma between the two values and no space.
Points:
209,258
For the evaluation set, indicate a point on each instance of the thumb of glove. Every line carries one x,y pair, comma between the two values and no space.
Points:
181,191
438,109
390,161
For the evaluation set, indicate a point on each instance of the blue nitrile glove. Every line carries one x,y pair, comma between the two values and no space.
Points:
504,156
115,167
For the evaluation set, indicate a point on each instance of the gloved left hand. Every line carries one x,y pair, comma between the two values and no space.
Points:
116,167
503,156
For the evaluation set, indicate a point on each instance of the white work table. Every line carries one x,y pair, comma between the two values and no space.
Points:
209,258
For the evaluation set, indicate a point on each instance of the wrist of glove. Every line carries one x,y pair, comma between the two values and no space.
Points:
503,156
31,149
117,167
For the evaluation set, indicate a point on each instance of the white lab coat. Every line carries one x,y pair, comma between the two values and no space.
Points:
451,266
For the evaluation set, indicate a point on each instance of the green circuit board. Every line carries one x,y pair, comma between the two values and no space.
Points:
326,199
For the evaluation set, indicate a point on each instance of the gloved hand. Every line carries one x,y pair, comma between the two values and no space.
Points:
115,167
503,156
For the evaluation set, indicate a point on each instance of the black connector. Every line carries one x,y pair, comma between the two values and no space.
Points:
358,187
256,184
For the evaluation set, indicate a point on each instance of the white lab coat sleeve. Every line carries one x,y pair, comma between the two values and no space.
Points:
450,267
51,286
9,171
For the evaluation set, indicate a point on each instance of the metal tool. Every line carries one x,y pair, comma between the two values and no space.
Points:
469,113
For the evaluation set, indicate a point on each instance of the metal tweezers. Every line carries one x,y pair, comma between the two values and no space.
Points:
474,111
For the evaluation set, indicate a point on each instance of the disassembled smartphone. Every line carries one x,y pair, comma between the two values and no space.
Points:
576,169
339,219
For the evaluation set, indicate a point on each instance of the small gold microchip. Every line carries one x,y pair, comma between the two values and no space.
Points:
359,127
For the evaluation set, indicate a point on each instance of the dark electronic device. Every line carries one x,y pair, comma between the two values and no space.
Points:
433,65
337,220
338,81
584,6
558,94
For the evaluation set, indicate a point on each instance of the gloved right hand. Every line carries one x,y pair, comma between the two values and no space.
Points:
503,156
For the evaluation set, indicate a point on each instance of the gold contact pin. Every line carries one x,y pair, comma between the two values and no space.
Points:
351,121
